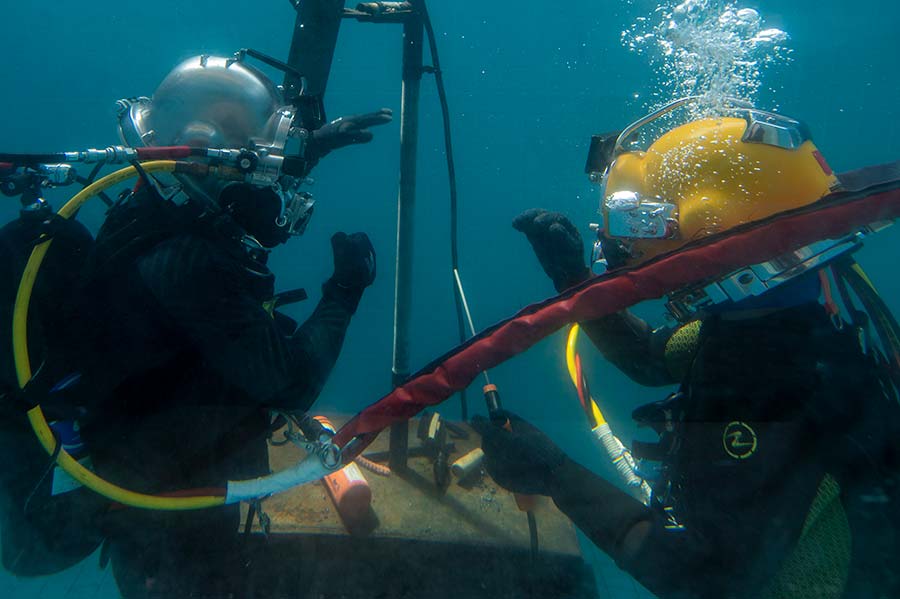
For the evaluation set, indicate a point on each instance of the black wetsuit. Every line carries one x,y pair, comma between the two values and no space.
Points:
182,361
768,407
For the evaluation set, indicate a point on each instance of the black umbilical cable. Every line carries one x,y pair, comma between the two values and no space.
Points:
33,159
533,536
85,181
454,229
451,173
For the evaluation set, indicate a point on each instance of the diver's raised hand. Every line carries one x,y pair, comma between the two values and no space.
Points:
354,269
557,244
345,131
354,260
521,459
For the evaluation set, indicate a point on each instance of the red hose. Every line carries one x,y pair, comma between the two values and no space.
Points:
165,153
831,306
838,214
580,385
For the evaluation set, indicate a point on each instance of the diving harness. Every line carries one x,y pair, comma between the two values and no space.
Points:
687,304
249,166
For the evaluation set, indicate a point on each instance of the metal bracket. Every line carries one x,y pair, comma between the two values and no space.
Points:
759,278
380,12
265,522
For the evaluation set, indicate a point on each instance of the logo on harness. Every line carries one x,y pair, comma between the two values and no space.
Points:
739,440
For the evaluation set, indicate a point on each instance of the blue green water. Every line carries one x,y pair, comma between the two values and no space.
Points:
527,84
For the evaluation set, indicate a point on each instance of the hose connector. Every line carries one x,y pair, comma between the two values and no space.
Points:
109,155
321,432
57,174
328,453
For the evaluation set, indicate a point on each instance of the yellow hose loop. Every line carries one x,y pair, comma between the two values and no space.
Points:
26,286
107,489
571,352
23,365
571,343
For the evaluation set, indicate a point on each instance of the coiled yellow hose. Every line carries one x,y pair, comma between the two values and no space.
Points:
23,365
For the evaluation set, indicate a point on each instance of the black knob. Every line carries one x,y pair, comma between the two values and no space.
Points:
247,161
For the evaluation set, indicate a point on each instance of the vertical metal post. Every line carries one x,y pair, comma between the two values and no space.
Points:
312,45
406,200
315,35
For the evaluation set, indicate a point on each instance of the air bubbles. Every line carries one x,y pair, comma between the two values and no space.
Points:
770,36
689,6
749,18
709,48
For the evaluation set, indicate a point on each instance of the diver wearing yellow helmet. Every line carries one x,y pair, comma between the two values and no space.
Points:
779,435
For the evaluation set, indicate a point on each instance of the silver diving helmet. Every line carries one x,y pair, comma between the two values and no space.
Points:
225,103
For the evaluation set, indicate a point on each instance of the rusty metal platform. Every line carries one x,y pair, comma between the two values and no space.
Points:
471,541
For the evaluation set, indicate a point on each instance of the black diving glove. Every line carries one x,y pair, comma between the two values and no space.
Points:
557,244
522,460
345,131
354,268
354,260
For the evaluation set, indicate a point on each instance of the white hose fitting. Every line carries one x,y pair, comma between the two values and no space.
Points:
623,461
307,470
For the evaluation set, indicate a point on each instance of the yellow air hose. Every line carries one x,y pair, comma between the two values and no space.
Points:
571,344
24,374
618,454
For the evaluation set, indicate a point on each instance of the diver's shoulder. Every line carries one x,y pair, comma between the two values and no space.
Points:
182,256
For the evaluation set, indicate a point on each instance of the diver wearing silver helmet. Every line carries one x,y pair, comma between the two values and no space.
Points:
180,340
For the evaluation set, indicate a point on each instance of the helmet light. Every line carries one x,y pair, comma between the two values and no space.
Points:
629,214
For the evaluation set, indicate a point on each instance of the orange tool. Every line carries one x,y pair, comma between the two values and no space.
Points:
348,488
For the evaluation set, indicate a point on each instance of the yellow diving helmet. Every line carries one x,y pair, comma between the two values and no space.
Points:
701,178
